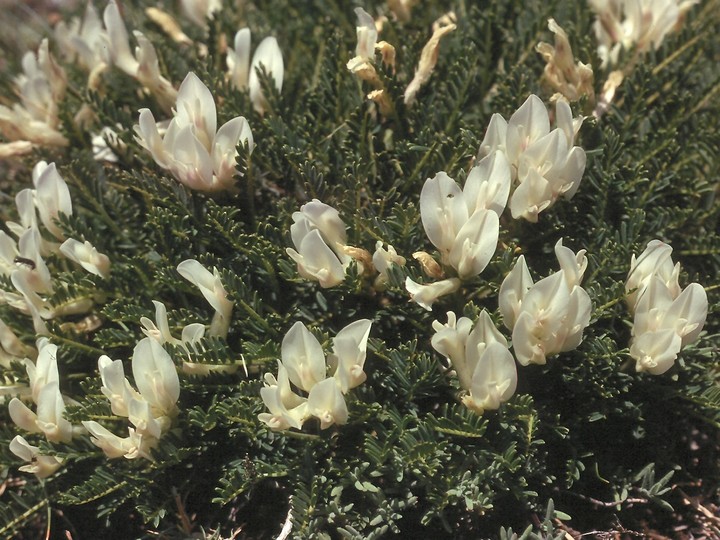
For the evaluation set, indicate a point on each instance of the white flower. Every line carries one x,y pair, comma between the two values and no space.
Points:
85,41
304,365
327,403
39,465
198,11
303,357
549,316
115,387
244,74
349,352
487,185
41,87
545,165
87,256
48,420
482,361
45,392
450,340
382,259
643,24
319,237
143,65
325,218
238,59
160,332
214,292
45,370
156,377
426,295
197,154
316,261
459,225
512,291
666,318
52,197
655,261
268,57
130,447
287,409
494,379
561,72
367,35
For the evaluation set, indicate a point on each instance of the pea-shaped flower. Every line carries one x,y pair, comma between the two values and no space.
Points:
244,73
549,316
143,65
197,153
480,356
213,290
319,237
304,365
666,317
464,224
38,464
545,163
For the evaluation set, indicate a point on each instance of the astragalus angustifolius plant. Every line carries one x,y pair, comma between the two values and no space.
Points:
399,269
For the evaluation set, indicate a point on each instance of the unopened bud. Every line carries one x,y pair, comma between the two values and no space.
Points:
383,102
388,53
430,266
362,256
168,24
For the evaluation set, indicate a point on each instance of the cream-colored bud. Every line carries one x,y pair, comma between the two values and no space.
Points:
387,52
430,266
614,80
364,70
168,24
383,101
362,256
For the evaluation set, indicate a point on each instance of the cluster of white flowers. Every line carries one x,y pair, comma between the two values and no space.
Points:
547,317
361,65
244,74
319,237
192,148
463,224
35,119
321,253
49,419
143,66
304,365
23,260
642,24
545,165
480,356
666,317
150,409
85,41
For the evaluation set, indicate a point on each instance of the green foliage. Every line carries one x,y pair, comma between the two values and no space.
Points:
584,432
